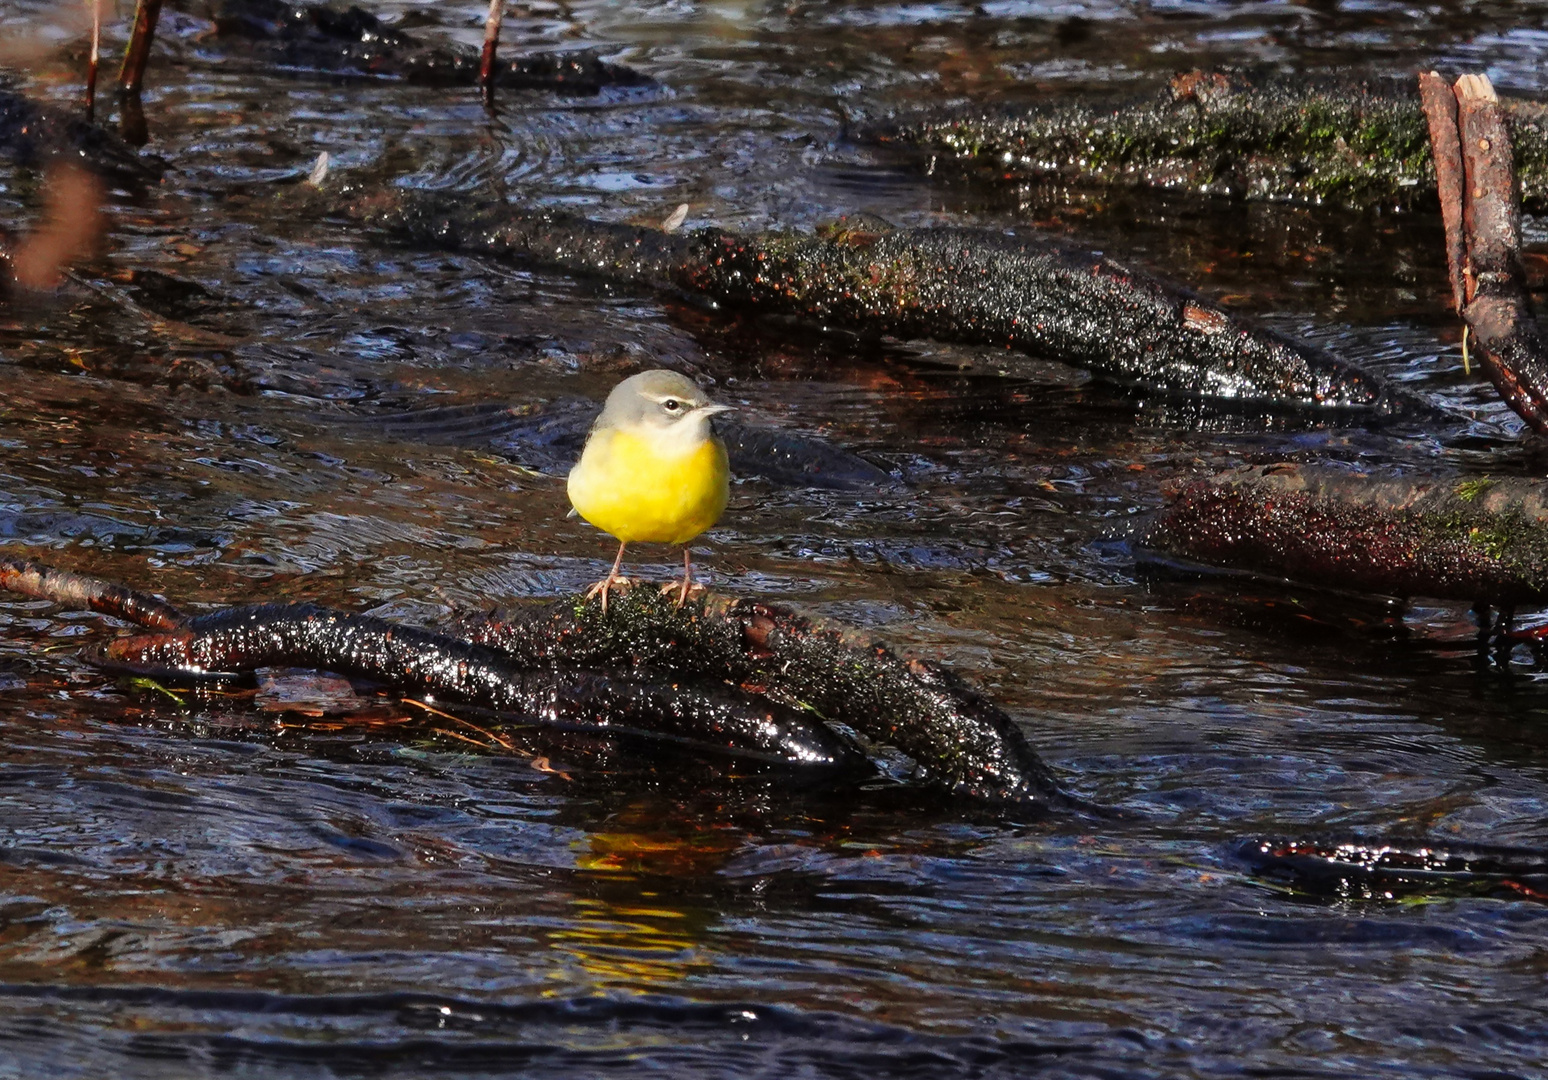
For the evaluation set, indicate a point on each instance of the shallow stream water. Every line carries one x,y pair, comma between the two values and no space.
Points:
202,886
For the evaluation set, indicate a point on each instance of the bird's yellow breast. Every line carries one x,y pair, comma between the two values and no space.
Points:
642,488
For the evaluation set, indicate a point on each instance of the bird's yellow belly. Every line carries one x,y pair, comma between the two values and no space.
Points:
626,487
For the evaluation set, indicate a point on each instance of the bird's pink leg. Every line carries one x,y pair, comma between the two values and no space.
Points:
612,578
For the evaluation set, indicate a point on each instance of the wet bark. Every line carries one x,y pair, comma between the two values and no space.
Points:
1482,540
1481,207
1349,143
241,640
32,135
1028,294
957,737
735,677
1368,868
355,42
79,591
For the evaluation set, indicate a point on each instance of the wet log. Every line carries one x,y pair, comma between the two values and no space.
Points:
1346,143
956,737
1364,868
314,37
78,591
1481,207
1483,540
1029,294
411,660
549,439
733,676
34,135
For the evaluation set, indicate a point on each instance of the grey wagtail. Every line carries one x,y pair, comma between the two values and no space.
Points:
652,469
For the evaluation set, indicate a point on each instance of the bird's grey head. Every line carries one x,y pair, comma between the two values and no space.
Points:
662,401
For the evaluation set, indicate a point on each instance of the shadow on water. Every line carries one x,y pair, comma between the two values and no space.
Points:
227,406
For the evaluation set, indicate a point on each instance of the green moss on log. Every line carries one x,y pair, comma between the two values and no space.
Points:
957,737
1353,144
1480,539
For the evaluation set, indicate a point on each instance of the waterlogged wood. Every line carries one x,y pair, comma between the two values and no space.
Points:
957,737
32,135
78,591
421,662
1028,294
1372,868
314,37
1348,143
1483,540
732,676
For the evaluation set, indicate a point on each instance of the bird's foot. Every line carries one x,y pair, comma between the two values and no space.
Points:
684,589
601,588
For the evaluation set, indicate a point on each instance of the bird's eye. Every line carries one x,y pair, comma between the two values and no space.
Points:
671,405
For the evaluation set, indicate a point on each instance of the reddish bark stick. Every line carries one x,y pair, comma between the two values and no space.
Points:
78,591
486,63
1490,291
1440,109
132,75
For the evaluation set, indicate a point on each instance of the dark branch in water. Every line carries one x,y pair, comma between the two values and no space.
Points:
1030,294
1481,207
354,42
240,640
1482,540
79,591
731,676
1351,144
1366,868
956,736
32,134
131,77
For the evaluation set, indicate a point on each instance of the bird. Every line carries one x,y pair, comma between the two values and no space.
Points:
652,469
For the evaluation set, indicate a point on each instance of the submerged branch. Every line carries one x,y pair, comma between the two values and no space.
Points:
32,134
79,591
1367,868
1029,294
314,37
1481,540
240,640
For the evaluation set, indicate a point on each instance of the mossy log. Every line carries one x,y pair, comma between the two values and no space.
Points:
1483,540
957,737
314,37
1370,868
1030,294
1354,144
718,674
32,134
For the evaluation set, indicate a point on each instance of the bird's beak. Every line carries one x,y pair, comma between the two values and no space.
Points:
713,409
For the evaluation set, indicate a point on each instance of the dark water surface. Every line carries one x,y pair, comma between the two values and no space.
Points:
207,887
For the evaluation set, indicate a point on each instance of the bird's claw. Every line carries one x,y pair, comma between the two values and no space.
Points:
683,589
601,588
